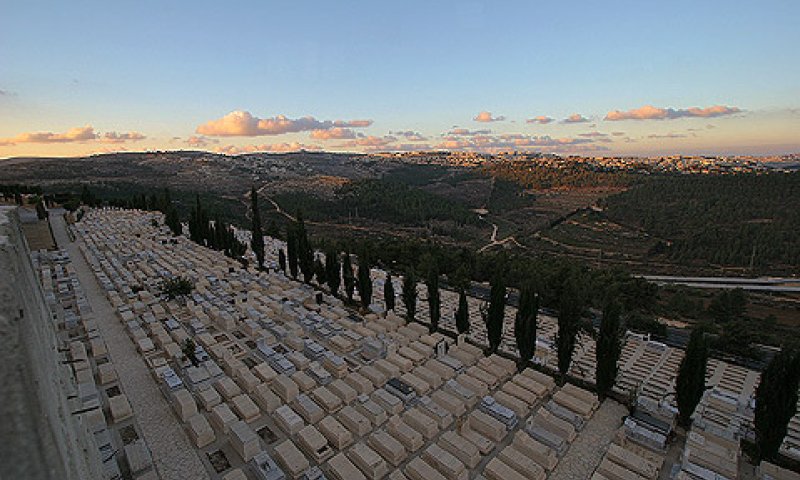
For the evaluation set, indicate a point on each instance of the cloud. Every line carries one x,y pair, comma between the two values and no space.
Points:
77,134
370,143
593,134
200,141
517,141
575,118
7,93
333,133
667,135
541,120
618,134
244,124
114,137
467,133
486,117
649,112
269,148
410,135
353,123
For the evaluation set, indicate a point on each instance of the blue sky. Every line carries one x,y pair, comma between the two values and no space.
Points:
162,69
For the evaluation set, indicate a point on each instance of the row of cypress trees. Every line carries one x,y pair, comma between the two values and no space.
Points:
776,396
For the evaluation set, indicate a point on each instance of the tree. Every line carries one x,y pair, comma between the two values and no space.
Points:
176,287
409,295
41,212
291,249
525,325
609,348
388,292
348,277
320,272
333,269
571,304
496,313
462,313
434,300
257,242
189,349
305,253
728,305
272,229
364,281
776,401
282,260
691,381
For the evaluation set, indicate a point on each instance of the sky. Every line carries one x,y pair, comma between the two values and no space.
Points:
585,77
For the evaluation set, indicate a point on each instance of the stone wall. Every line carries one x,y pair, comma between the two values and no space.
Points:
40,437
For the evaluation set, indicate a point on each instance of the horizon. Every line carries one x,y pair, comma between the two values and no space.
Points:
597,80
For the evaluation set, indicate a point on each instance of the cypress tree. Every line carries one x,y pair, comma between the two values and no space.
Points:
257,242
434,300
320,272
364,281
409,295
776,401
525,325
305,254
348,277
462,313
333,270
496,313
571,306
609,348
691,381
272,229
291,249
41,212
282,260
388,292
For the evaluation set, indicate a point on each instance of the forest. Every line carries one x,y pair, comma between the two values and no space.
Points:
730,220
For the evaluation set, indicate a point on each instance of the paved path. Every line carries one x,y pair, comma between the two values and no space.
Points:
587,450
174,457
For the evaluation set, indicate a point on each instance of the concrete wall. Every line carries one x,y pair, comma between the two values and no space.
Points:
39,436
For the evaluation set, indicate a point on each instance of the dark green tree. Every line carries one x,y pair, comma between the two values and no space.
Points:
291,249
364,280
462,313
497,310
434,299
189,350
525,325
571,304
388,292
320,273
691,381
41,212
272,229
333,269
177,287
348,277
282,260
776,401
728,305
609,348
257,242
305,253
409,295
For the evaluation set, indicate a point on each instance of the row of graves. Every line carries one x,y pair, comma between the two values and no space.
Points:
99,399
278,358
286,383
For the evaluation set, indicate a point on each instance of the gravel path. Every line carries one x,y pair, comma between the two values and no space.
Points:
174,457
587,450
